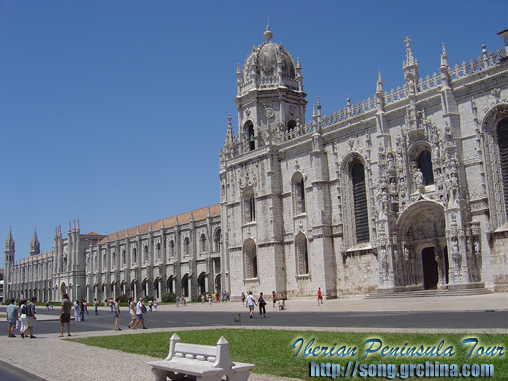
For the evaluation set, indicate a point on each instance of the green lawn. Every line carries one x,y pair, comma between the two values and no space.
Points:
272,351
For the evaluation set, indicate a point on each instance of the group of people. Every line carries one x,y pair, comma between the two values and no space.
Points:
22,316
250,302
80,307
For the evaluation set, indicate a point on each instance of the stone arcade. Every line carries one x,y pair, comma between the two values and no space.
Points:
407,190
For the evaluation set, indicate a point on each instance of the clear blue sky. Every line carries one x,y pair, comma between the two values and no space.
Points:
113,112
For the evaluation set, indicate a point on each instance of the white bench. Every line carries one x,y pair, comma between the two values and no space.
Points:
199,362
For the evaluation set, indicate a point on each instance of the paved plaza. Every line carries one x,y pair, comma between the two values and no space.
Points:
48,357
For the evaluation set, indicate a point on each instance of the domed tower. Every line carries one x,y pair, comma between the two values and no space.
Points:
270,94
270,101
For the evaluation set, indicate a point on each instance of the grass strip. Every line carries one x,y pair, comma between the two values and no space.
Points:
272,352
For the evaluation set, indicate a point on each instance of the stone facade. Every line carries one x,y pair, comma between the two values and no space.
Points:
407,190
398,192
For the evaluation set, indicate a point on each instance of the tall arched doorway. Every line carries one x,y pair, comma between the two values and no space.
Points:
430,269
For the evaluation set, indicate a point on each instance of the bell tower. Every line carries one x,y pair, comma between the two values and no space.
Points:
270,95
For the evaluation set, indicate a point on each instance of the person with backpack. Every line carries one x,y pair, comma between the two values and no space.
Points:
140,311
262,304
30,318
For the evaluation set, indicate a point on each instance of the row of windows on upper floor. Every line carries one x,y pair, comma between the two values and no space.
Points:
186,250
423,162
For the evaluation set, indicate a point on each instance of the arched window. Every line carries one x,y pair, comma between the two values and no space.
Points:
124,258
360,202
251,138
172,248
203,243
145,249
158,248
249,206
302,255
250,259
425,166
104,261
134,255
216,240
186,246
113,262
298,194
502,141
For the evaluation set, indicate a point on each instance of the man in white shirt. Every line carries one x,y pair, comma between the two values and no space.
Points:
140,311
250,303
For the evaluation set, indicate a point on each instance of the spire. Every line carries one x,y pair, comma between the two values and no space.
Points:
445,75
9,242
35,246
444,56
379,96
379,87
299,76
410,67
268,34
410,60
229,141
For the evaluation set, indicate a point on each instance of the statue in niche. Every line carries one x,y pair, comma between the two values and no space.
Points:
476,247
384,263
407,266
391,164
439,260
457,259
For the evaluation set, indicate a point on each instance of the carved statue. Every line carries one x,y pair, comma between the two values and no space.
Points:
384,263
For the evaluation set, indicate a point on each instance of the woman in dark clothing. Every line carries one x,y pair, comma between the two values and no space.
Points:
262,304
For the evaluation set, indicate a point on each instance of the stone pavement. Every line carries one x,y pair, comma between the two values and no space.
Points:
50,358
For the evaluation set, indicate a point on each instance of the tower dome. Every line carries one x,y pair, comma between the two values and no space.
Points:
268,65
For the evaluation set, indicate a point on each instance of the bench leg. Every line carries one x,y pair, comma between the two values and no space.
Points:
160,375
240,376
205,377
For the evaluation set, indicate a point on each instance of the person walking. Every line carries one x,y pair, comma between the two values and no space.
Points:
117,315
243,298
77,313
262,304
132,312
274,298
65,315
155,306
140,311
30,317
12,317
96,306
82,311
250,303
22,317
319,296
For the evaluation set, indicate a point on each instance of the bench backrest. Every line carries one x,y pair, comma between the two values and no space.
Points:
217,356
194,351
